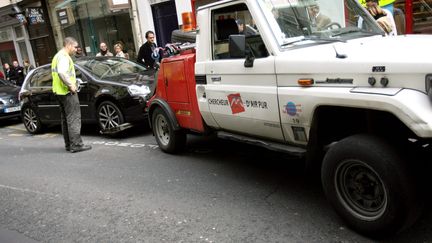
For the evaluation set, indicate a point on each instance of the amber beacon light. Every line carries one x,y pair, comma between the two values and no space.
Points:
305,82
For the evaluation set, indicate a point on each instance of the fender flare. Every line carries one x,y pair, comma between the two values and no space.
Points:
167,109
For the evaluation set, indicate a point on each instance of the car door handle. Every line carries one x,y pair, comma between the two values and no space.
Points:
216,79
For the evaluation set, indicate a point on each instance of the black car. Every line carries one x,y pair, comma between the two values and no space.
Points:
112,91
9,103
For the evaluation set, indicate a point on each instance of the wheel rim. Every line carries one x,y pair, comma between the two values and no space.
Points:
361,190
30,120
109,117
162,129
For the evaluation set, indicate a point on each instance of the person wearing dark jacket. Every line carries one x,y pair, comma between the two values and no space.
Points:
146,50
17,74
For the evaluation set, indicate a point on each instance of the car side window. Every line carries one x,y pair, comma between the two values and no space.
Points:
41,78
235,20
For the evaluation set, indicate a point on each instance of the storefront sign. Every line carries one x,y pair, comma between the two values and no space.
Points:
63,16
35,16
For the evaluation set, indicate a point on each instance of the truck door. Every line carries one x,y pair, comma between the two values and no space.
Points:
241,99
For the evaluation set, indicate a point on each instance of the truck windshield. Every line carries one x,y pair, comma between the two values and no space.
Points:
300,22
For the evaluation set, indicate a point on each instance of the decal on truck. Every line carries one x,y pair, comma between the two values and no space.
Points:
292,108
236,103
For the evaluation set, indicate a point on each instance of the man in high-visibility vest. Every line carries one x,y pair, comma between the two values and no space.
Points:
64,87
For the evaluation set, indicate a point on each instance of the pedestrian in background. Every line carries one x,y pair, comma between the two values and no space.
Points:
146,50
65,88
382,16
118,50
7,71
104,50
18,73
27,67
79,52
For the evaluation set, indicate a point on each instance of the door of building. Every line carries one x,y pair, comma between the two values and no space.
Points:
42,50
165,21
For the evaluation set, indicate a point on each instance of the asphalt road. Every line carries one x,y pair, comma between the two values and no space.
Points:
126,190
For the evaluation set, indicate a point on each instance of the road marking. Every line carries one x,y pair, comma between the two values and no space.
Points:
17,127
122,144
47,135
22,189
16,135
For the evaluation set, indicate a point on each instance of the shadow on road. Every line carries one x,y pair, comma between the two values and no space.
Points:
289,176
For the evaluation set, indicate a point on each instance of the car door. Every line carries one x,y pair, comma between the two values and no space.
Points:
86,96
42,97
241,99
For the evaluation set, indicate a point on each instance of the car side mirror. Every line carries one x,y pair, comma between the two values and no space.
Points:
237,46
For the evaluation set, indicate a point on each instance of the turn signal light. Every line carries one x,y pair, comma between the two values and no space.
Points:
305,82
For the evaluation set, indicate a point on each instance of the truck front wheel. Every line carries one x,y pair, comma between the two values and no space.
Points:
369,185
168,139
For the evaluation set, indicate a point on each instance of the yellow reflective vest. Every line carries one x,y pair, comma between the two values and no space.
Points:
58,87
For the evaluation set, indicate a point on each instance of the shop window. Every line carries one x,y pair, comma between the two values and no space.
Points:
19,32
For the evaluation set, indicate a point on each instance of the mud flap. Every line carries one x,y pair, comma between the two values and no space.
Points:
116,129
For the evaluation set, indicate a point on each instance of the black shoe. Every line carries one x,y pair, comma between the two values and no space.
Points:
80,148
67,149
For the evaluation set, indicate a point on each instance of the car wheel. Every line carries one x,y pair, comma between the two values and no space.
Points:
109,116
31,121
168,139
370,186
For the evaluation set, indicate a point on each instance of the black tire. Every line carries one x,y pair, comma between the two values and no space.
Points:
370,186
109,115
183,37
31,120
168,139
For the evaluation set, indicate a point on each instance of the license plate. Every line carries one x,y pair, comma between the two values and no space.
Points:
12,109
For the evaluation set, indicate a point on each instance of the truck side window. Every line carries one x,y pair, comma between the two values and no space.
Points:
234,20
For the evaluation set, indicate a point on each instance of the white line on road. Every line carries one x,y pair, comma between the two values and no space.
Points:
22,189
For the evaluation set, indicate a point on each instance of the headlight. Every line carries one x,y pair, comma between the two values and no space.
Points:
136,90
429,85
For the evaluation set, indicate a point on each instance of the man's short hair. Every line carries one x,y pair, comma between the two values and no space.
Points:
68,41
148,33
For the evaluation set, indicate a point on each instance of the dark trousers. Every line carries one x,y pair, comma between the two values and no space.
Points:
70,119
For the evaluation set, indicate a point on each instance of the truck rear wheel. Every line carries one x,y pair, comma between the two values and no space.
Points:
369,185
168,139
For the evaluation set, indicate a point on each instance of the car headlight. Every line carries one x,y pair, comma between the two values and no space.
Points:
136,90
429,85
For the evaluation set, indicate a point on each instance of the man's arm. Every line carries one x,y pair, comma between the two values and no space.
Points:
62,69
141,55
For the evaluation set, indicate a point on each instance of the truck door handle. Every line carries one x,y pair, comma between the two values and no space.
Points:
216,79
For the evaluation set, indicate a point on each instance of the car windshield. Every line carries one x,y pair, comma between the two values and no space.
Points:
110,68
300,22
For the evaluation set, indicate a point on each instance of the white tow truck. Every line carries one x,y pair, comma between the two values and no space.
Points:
329,87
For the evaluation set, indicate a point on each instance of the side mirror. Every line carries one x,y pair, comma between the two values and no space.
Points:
237,46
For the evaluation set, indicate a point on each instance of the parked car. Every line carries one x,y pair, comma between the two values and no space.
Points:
9,103
112,91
